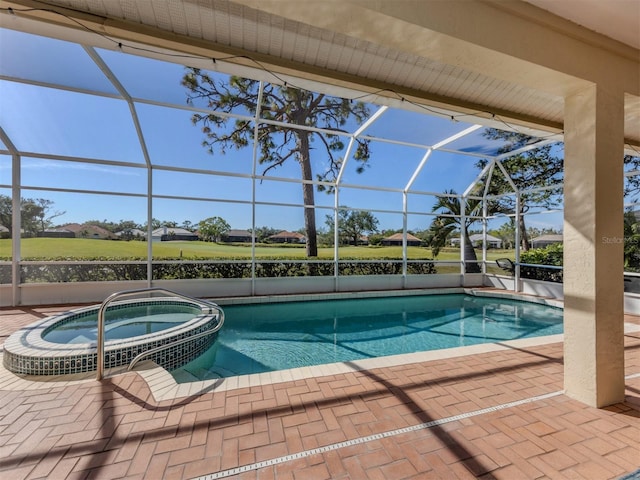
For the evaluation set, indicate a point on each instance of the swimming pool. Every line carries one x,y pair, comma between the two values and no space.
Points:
260,338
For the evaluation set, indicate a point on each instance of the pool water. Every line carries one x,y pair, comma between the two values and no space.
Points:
121,323
260,338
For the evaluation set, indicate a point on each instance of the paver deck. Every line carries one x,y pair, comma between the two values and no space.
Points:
498,414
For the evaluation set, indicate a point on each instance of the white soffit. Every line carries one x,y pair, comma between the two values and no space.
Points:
232,25
616,19
229,24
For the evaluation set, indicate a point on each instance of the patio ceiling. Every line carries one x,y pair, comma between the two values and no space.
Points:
296,40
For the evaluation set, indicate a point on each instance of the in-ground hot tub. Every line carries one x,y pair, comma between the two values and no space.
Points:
67,343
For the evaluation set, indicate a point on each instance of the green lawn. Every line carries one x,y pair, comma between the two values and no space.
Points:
87,249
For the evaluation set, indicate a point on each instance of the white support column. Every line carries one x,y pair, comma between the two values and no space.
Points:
463,238
16,225
149,225
254,167
16,217
404,239
517,286
593,247
336,239
484,235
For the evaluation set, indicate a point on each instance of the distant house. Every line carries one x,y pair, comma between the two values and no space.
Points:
167,234
396,239
287,237
56,233
545,240
87,231
240,236
476,241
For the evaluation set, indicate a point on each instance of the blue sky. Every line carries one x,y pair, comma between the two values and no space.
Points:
69,123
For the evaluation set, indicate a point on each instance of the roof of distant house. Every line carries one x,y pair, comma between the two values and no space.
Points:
478,236
238,233
549,237
93,229
398,237
285,234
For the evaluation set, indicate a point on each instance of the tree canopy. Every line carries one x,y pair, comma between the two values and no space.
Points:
632,182
36,214
213,228
538,167
352,224
534,168
279,106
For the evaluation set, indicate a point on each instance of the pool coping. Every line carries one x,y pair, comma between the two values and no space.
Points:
478,292
163,386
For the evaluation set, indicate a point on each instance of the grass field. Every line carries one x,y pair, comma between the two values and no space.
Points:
87,249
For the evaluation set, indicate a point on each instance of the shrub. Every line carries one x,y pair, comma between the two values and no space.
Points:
549,255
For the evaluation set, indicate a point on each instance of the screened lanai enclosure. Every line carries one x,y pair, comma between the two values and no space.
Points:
113,135
124,166
226,148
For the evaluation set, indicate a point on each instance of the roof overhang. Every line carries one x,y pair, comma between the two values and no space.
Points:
482,58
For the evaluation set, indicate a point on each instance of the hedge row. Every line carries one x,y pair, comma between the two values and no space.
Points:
87,272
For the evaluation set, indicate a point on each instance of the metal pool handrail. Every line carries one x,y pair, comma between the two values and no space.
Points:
129,293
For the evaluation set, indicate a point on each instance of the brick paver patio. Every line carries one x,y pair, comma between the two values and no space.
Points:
492,415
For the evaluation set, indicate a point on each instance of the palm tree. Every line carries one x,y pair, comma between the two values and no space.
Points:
449,220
